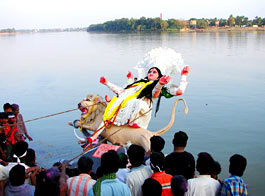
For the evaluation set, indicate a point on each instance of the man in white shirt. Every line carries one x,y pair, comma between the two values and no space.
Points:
203,185
139,173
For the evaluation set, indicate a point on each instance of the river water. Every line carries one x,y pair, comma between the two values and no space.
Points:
47,73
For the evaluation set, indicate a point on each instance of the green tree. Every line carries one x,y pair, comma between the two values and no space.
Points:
164,25
231,21
157,23
239,20
257,21
172,23
202,23
245,21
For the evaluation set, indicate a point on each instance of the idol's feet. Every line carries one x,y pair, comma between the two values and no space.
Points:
134,125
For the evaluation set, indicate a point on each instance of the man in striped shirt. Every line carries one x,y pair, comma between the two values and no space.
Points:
234,185
80,185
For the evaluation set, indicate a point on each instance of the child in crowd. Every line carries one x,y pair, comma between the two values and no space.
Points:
151,187
179,185
157,160
234,185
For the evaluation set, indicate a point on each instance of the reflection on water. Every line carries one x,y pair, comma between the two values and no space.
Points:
51,72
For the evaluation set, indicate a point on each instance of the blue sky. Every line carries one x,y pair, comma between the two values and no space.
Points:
22,14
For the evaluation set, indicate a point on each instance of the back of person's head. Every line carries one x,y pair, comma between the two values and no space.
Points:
30,157
136,155
17,175
3,115
179,185
99,172
238,164
180,139
85,164
47,183
7,107
110,162
123,160
205,163
15,107
157,143
157,160
151,187
19,151
3,118
216,169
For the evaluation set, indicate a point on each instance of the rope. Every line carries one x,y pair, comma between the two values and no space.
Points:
47,116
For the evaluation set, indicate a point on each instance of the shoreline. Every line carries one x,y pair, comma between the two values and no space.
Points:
208,29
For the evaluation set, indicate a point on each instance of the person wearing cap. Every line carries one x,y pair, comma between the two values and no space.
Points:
22,130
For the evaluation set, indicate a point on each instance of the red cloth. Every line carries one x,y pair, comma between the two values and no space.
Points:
12,135
165,181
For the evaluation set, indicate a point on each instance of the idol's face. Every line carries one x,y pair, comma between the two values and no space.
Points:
152,74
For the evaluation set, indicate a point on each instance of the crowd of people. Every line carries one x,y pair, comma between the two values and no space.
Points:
136,172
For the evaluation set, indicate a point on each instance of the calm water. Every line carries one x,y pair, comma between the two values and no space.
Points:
49,73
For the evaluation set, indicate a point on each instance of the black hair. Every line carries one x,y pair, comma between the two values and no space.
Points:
179,185
136,155
85,164
205,163
157,143
30,157
147,91
123,160
17,175
238,164
99,172
216,168
151,187
110,162
157,161
45,187
3,115
7,106
19,148
180,139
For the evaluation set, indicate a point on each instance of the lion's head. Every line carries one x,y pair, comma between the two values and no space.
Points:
92,108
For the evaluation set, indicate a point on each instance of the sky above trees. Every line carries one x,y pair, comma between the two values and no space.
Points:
28,14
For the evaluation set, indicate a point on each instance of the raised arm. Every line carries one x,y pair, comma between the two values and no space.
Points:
116,89
163,81
176,91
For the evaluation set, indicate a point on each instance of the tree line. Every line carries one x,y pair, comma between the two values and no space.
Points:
157,24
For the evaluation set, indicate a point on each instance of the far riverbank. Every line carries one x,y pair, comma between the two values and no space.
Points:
208,29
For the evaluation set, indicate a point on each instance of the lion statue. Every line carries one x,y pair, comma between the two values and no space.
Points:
93,107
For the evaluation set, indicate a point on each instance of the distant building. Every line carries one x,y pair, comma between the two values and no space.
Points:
193,23
161,16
